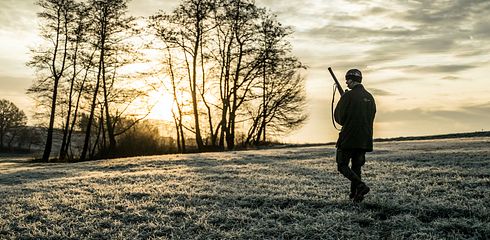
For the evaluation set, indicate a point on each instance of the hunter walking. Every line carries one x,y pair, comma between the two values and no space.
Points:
355,111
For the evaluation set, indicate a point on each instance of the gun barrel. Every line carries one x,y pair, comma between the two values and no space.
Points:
341,91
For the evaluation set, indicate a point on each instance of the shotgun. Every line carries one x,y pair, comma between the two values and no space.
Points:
341,91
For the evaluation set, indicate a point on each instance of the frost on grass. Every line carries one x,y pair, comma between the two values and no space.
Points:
420,190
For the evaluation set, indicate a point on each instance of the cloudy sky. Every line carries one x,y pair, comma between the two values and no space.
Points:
426,62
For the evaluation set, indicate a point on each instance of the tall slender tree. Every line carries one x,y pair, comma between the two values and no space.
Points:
177,113
111,29
185,29
278,101
50,60
240,56
77,39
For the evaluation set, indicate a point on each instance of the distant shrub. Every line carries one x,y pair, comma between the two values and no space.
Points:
12,124
143,138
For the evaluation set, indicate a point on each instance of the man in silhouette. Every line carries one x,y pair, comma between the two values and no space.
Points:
355,111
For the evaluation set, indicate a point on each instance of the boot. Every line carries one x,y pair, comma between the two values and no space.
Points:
361,190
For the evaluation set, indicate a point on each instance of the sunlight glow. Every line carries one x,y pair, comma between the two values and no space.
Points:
162,106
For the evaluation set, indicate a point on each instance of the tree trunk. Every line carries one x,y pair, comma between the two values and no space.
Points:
90,121
110,128
1,138
64,142
92,108
75,114
179,148
199,142
57,76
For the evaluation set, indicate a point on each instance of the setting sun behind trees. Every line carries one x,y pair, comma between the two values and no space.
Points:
147,74
162,106
221,72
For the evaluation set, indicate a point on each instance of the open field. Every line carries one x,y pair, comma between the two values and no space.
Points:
425,189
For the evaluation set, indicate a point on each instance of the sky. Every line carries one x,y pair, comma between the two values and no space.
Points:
427,63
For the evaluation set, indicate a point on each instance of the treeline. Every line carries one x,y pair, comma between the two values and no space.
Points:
226,64
434,137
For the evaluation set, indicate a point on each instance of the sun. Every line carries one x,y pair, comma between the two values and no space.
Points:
161,103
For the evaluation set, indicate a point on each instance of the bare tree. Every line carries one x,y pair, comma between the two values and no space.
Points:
50,61
282,88
12,119
281,109
237,30
178,113
77,39
185,29
111,30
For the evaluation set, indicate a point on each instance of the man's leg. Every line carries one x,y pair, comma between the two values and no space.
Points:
356,168
343,158
358,160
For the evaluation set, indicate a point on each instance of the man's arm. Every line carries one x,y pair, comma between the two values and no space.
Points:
340,110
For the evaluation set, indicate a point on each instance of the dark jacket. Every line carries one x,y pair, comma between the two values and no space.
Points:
355,112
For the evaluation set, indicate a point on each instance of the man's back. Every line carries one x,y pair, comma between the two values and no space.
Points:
355,112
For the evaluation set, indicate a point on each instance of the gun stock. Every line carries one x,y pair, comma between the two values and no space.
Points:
341,91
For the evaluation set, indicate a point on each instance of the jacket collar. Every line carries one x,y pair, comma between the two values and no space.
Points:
358,86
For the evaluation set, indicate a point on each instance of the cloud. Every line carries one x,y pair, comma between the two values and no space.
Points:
401,30
449,68
380,92
378,11
445,68
481,28
405,30
147,8
446,20
444,12
11,84
357,34
479,109
450,78
476,115
18,15
420,121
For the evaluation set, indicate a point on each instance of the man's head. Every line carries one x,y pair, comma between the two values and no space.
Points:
353,77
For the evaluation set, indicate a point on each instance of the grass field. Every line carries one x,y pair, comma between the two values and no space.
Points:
430,189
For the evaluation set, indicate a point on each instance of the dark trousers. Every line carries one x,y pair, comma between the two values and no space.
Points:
357,159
